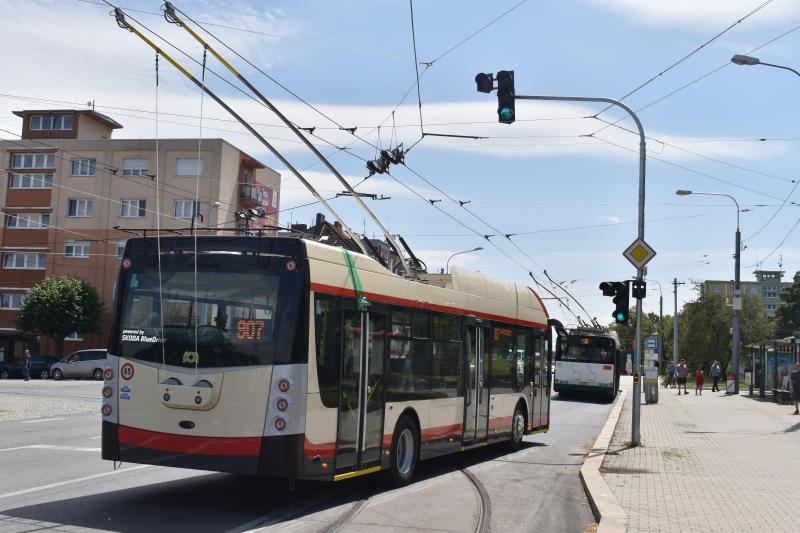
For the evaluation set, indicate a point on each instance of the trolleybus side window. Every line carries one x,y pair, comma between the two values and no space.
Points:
327,328
523,361
446,356
503,360
409,356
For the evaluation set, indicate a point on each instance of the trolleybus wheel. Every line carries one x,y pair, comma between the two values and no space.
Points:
517,429
405,451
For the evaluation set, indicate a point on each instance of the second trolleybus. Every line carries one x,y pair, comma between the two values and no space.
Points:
588,361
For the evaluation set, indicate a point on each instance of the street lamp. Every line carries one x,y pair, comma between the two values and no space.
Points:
737,293
447,265
739,59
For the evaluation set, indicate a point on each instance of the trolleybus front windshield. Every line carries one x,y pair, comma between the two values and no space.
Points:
586,349
244,310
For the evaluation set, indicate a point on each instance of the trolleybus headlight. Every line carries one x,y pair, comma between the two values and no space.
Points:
284,385
107,392
280,423
108,374
282,404
106,410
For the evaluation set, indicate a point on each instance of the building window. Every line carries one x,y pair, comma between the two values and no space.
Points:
73,337
83,167
50,122
27,220
132,208
11,301
33,160
25,261
754,291
274,198
188,167
770,291
770,307
119,249
31,181
76,249
135,167
716,289
80,207
184,208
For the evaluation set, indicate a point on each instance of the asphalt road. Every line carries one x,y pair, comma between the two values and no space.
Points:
53,478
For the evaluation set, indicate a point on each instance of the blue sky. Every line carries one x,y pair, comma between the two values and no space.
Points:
570,199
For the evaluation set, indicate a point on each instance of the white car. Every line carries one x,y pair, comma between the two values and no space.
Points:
80,364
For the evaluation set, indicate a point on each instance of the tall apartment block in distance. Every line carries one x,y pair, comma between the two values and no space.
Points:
71,191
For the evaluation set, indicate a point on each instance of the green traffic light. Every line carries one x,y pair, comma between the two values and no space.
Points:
620,317
506,113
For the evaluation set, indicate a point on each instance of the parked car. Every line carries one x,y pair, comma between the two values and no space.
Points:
81,364
40,367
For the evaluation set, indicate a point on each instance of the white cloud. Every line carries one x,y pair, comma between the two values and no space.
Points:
614,220
691,14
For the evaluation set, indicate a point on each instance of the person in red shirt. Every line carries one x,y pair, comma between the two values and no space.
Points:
698,381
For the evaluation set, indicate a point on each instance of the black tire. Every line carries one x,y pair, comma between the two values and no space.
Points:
405,451
518,425
44,374
58,375
5,374
98,374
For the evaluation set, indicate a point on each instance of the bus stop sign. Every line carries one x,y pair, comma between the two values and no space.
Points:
639,253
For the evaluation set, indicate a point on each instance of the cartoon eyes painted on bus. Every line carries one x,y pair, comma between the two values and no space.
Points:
126,263
250,330
291,265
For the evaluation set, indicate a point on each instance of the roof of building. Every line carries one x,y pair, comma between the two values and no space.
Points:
99,117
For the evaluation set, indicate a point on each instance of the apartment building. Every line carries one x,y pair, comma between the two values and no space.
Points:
73,195
768,286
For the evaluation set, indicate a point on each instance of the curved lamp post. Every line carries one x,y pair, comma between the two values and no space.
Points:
739,59
737,293
447,266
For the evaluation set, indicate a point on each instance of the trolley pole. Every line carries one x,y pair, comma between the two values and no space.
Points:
637,358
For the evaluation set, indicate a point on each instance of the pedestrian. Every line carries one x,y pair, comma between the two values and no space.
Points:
699,377
671,376
715,374
682,372
794,383
26,368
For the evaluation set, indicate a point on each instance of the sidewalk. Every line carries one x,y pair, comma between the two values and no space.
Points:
706,463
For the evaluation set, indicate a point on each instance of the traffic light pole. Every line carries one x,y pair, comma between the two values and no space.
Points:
637,359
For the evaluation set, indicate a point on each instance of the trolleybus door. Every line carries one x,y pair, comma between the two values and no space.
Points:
361,395
476,390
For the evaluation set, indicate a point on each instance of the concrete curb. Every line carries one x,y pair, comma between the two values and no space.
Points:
607,511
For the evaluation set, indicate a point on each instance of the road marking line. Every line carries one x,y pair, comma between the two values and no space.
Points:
69,482
95,438
15,448
42,420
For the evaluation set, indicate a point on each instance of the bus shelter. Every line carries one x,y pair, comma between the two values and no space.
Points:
771,362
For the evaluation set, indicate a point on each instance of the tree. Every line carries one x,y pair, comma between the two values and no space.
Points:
788,313
58,307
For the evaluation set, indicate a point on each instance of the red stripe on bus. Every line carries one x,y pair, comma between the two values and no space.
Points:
441,432
325,449
540,302
168,442
503,421
343,291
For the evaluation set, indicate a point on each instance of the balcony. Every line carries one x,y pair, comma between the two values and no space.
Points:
251,196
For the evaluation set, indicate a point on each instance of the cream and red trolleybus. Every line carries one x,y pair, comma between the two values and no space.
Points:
285,357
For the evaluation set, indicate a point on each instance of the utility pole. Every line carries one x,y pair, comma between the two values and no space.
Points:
675,283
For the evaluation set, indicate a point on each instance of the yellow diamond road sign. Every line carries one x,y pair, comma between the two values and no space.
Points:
639,253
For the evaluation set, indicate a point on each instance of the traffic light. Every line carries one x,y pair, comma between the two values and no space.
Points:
505,96
621,303
619,290
638,289
484,82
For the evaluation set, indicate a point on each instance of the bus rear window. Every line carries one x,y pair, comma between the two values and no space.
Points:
233,311
588,349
